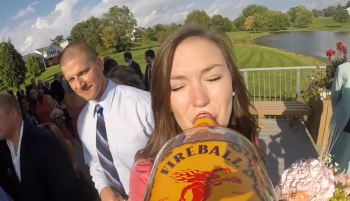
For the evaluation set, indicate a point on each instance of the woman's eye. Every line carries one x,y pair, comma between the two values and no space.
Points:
176,89
214,79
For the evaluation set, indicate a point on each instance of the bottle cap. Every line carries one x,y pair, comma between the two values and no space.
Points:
204,119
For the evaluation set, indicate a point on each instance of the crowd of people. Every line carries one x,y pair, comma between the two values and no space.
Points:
121,117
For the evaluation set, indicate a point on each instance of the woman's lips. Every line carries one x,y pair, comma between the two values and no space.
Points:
203,114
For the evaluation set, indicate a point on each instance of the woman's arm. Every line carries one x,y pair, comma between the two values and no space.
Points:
140,174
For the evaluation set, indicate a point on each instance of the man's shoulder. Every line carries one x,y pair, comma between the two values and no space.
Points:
38,136
123,91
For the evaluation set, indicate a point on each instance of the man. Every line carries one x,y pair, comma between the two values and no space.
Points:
20,92
114,124
57,90
133,64
32,82
39,166
149,57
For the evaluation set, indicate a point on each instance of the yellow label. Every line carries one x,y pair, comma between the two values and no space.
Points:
204,122
210,171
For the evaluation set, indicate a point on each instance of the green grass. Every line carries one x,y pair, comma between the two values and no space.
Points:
323,24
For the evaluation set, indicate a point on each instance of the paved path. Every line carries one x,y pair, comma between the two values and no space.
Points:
278,141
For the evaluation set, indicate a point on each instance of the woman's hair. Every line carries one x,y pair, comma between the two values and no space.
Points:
32,102
126,76
166,126
108,65
54,130
25,98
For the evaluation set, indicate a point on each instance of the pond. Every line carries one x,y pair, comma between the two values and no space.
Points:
308,43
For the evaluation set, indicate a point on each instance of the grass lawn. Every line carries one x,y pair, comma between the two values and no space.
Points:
323,24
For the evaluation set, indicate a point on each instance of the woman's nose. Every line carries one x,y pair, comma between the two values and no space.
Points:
199,97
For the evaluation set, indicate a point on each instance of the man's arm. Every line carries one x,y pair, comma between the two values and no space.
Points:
138,70
57,170
96,170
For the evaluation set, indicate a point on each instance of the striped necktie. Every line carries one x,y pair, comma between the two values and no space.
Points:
105,155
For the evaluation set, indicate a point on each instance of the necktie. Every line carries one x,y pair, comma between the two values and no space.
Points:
105,155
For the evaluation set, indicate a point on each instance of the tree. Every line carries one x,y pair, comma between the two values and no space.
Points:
198,17
347,5
145,41
275,20
57,40
329,12
317,13
120,22
253,9
249,22
228,25
150,34
92,32
341,16
13,68
77,33
220,23
304,17
239,22
259,23
33,66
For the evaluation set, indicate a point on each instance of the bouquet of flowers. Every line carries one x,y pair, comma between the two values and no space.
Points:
314,180
316,88
58,115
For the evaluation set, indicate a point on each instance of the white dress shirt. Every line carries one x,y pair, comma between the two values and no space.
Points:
16,155
129,122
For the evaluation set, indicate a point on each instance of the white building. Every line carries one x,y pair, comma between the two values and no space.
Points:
348,9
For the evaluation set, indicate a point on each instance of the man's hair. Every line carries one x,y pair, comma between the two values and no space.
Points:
74,49
150,53
128,55
126,76
7,102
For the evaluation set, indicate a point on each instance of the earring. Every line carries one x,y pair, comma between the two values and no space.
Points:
233,93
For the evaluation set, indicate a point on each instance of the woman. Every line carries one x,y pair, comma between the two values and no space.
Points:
42,106
43,88
126,76
108,65
195,72
87,190
27,112
74,105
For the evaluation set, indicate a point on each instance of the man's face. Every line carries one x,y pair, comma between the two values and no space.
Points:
126,59
7,117
84,77
147,59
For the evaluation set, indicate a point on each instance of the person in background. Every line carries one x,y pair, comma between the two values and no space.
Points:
340,121
20,92
126,76
89,193
63,82
47,84
27,112
32,82
114,124
43,88
57,90
196,73
149,57
133,64
106,58
36,162
108,65
9,91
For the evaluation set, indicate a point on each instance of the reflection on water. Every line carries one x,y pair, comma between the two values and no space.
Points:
310,43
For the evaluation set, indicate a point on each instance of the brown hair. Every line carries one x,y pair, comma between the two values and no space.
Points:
166,126
126,76
54,130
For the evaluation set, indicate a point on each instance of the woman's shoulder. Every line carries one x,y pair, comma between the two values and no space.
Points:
142,166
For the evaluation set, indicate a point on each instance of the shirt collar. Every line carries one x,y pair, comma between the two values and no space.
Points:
107,97
10,144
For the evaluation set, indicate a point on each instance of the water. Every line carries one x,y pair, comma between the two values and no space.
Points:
308,43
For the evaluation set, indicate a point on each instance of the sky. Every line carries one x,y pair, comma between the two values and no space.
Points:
30,24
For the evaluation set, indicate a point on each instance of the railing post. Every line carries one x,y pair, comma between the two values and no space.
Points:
245,77
298,86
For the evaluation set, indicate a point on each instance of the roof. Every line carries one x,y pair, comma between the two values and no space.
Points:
43,49
26,57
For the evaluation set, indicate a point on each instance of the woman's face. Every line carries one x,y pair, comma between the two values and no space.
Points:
25,105
200,82
34,94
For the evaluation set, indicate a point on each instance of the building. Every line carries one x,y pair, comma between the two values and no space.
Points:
137,33
51,53
348,9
